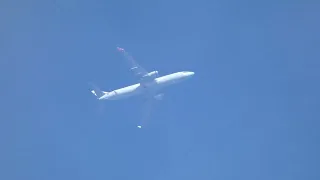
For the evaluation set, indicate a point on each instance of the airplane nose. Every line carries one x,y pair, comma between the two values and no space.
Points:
188,73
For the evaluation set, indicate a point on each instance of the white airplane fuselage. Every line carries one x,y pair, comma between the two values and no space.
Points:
155,85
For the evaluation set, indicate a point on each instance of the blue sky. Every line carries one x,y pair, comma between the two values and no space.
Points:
250,112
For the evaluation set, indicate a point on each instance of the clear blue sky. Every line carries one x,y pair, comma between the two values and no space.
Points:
251,111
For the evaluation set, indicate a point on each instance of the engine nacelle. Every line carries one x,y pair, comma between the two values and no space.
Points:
153,74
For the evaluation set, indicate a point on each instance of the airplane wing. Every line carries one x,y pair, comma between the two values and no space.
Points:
145,78
143,75
146,111
148,107
134,66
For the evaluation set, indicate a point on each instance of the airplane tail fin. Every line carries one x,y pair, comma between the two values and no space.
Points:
96,91
121,49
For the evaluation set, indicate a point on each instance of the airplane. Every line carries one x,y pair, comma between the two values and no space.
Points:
149,84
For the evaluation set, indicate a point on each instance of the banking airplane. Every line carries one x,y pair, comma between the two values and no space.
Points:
149,82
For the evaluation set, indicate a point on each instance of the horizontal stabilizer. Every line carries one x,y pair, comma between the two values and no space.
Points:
159,96
120,49
96,91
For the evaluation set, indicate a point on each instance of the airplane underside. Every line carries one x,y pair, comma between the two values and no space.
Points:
149,86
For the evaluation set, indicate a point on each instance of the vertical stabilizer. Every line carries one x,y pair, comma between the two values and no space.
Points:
96,91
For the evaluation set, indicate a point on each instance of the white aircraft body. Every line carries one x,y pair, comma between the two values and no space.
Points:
141,88
149,84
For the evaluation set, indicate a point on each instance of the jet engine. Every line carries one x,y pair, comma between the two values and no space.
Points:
153,74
